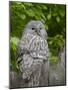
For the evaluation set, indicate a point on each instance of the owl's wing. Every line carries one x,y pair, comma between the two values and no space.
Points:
26,65
19,53
24,59
21,49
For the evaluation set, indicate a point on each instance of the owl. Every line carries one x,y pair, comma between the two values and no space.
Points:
32,52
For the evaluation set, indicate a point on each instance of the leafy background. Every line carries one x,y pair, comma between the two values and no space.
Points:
53,17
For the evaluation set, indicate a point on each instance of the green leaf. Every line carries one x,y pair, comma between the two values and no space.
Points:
46,26
49,16
30,12
14,40
58,19
53,59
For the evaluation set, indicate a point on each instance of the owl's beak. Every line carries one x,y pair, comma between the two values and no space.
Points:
37,31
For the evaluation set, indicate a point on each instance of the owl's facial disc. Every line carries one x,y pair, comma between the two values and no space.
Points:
37,30
35,27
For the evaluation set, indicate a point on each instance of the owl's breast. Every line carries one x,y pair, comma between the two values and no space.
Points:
36,43
38,47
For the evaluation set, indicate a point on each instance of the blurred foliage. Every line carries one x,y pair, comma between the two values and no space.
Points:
52,16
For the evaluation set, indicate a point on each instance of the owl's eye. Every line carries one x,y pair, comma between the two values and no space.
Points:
40,28
33,28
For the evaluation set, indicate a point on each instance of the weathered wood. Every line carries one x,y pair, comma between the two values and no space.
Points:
57,74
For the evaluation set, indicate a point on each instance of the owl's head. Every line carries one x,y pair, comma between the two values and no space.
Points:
36,27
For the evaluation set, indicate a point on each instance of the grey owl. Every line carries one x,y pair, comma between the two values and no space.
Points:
32,52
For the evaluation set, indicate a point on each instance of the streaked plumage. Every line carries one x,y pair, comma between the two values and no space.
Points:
32,52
